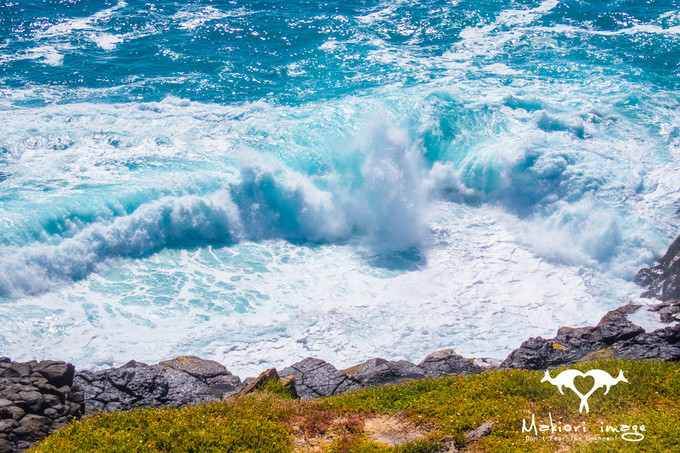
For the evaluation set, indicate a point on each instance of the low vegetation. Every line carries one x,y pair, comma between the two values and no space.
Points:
428,415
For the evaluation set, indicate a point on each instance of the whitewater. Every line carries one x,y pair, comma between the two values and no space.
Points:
258,182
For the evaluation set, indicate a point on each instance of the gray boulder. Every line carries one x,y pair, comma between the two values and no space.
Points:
380,371
314,378
447,363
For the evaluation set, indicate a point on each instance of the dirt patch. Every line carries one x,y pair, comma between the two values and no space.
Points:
315,434
392,430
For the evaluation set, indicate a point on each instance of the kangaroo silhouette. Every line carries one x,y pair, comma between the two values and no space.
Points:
566,379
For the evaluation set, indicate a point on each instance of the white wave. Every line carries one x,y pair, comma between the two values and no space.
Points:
252,306
67,26
107,41
48,55
192,19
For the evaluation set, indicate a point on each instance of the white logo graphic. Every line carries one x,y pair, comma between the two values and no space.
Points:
566,379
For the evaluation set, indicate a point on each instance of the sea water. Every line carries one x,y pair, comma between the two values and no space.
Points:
257,182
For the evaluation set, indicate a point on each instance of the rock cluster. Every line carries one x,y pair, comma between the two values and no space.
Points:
36,398
631,331
616,336
315,378
184,380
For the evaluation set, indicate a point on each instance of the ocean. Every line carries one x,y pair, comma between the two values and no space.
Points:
256,182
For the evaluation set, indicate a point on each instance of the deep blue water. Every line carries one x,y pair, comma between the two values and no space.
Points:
260,181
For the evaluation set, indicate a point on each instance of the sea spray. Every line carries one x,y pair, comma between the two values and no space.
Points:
350,180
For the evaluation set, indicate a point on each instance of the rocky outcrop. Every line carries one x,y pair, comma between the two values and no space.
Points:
36,398
631,332
315,378
441,363
447,363
185,380
663,280
380,371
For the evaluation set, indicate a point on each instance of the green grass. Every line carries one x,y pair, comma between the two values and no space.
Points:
443,408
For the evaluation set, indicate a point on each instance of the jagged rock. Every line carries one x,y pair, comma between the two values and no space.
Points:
446,362
615,336
212,373
314,378
663,280
266,376
137,384
380,371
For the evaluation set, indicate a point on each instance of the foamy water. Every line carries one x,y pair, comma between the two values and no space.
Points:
346,181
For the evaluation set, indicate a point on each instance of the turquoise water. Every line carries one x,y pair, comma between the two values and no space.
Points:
256,182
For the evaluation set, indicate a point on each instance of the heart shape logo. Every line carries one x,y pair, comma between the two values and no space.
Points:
583,384
567,378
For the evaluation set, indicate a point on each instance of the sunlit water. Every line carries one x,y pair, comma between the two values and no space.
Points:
257,182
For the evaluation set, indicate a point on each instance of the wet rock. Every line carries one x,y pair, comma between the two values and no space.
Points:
314,378
663,280
447,363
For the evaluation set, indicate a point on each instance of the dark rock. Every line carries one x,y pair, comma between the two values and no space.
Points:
663,280
615,336
210,372
32,398
380,371
314,378
266,376
186,389
8,425
12,412
33,426
446,362
57,373
197,367
185,380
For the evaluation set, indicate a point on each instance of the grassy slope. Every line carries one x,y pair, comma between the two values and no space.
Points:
443,408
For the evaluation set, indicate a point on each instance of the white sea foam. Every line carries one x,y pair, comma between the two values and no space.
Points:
534,213
472,289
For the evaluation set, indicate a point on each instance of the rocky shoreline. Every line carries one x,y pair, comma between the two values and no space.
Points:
38,398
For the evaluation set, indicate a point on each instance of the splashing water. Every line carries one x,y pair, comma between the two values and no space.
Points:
258,183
